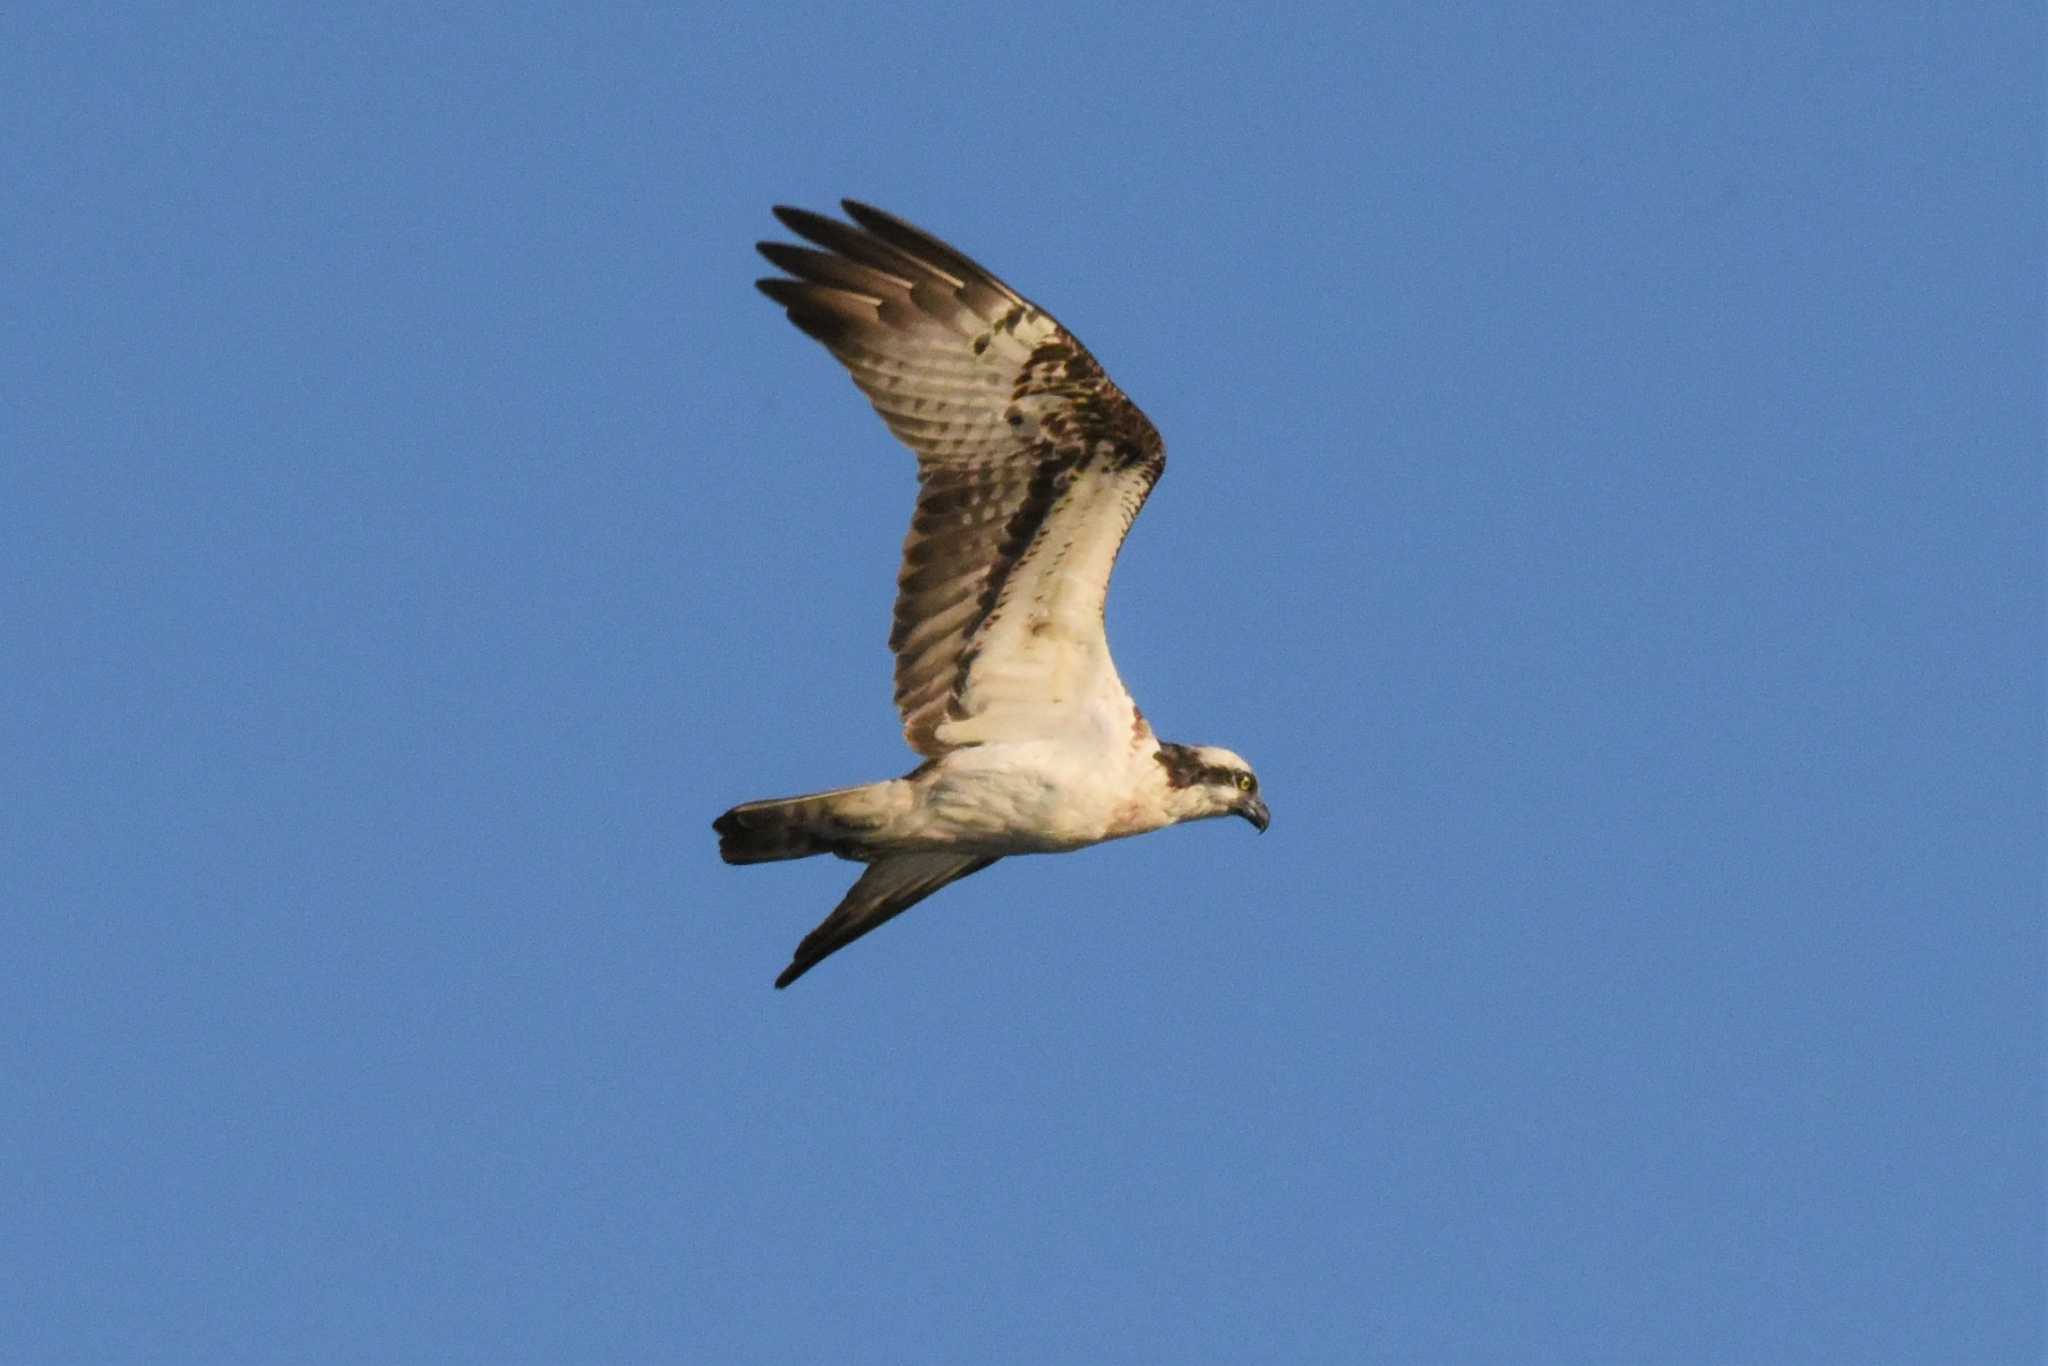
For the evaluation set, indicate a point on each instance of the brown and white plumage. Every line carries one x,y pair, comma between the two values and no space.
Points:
1023,445
1032,466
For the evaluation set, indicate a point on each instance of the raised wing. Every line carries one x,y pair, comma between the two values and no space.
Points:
1031,466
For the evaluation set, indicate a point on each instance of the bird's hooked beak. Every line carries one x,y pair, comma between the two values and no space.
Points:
1254,810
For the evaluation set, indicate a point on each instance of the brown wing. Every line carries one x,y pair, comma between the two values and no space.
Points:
1031,467
889,887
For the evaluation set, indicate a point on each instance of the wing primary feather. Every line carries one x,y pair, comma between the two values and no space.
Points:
827,314
848,241
824,268
921,245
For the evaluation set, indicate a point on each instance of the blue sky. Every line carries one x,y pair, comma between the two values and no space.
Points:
1606,503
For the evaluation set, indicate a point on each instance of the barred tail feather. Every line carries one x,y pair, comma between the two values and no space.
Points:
797,827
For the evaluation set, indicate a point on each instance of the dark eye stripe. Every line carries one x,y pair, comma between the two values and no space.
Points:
1182,769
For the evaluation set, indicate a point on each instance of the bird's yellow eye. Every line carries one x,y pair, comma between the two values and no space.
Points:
1245,782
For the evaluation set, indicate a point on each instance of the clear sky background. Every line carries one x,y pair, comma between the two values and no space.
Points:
1606,503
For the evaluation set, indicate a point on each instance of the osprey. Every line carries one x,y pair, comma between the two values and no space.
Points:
1031,466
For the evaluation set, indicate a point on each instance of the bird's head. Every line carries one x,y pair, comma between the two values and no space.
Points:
1204,781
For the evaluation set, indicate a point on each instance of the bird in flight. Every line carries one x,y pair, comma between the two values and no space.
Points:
1031,466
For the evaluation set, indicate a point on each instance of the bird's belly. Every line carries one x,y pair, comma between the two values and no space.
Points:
1025,808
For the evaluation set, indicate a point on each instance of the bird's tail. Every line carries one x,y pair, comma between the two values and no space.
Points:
837,822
